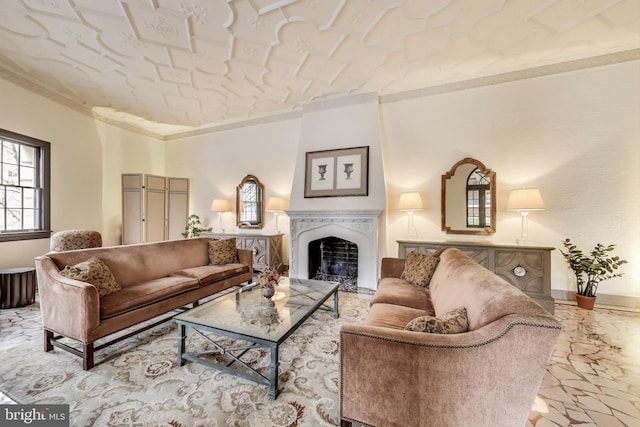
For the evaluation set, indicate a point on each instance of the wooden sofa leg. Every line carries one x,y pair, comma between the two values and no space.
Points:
345,423
48,335
87,356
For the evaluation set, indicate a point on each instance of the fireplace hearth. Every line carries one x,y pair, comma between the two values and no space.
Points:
335,260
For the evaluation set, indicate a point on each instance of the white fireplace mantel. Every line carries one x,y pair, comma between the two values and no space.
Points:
357,226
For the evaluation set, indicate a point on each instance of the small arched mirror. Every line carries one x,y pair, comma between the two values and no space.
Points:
469,198
250,203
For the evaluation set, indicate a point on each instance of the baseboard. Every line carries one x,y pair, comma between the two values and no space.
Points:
604,299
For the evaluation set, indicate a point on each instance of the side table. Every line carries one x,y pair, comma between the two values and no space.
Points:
17,287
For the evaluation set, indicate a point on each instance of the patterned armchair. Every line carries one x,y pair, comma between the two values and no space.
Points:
75,239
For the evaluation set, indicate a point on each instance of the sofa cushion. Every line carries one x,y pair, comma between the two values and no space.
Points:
453,322
139,295
211,273
419,268
223,251
392,290
392,316
93,271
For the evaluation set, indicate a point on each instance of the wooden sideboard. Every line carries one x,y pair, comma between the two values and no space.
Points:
528,268
267,248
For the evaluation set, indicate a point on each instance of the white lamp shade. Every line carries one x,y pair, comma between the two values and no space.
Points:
277,204
410,202
525,199
220,205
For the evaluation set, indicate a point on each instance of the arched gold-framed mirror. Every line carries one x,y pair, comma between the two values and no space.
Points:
250,203
469,198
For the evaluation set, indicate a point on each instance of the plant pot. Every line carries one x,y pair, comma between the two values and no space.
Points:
585,302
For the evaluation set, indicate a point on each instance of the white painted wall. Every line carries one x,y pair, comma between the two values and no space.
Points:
345,125
575,136
217,162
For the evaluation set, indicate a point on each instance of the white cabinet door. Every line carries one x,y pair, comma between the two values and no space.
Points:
155,208
132,229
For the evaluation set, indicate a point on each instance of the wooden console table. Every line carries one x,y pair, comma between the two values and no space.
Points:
17,287
267,248
528,268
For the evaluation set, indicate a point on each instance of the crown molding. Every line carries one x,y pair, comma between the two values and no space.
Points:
31,86
527,73
276,117
343,101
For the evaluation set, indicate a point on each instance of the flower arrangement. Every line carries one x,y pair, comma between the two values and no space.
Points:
269,278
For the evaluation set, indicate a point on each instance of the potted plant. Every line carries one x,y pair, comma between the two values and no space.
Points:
194,227
591,269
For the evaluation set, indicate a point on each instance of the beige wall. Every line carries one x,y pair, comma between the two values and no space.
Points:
575,135
76,165
123,152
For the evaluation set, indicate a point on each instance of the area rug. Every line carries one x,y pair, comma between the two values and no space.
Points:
139,383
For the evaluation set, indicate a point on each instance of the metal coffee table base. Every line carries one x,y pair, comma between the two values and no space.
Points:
235,353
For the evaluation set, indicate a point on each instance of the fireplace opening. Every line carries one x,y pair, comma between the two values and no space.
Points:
335,260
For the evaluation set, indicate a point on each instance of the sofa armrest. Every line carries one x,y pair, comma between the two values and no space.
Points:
245,256
394,377
392,267
68,306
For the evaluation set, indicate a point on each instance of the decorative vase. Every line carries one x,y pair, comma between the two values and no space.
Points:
268,292
585,302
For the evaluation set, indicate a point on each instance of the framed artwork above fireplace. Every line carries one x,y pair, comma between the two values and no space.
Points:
339,172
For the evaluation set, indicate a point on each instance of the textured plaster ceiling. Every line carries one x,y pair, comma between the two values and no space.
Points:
169,66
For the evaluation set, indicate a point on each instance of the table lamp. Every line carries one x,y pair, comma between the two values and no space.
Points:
221,206
277,205
409,203
525,200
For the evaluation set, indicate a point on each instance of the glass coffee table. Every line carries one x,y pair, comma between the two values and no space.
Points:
244,320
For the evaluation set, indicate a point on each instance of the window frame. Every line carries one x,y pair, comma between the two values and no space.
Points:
43,175
483,192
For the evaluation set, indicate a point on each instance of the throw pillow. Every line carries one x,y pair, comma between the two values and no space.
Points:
419,268
453,322
223,251
96,272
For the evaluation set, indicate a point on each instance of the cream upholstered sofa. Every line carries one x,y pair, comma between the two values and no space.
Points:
153,279
487,376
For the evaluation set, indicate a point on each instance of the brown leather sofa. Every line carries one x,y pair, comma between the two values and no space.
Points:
156,278
488,376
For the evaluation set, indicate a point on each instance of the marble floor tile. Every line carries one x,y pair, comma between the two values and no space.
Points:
593,379
593,376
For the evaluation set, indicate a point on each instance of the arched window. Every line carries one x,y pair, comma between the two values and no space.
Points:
478,199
